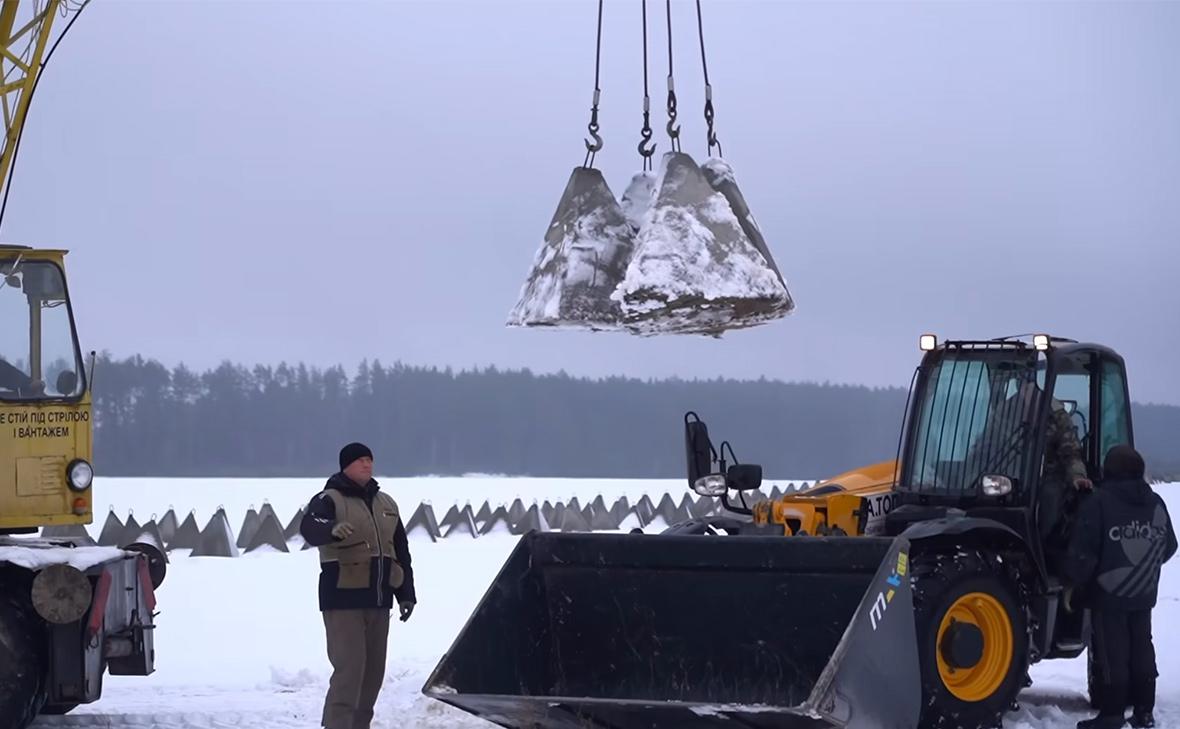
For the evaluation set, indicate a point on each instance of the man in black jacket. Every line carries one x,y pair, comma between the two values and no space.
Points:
364,565
1122,537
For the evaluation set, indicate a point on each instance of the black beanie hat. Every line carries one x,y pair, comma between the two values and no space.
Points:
352,452
1124,462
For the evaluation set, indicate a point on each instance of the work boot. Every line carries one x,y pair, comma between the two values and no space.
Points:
1102,721
1142,719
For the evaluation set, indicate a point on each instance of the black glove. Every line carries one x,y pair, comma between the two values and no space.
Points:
406,608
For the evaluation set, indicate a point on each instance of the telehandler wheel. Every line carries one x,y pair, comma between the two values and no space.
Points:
23,654
972,639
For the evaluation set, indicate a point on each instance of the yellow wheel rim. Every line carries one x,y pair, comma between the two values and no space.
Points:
976,683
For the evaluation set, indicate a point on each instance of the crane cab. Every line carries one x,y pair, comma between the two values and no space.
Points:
46,423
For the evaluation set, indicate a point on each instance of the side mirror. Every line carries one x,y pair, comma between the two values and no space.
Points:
699,450
744,477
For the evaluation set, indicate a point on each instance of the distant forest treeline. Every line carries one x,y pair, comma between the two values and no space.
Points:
291,420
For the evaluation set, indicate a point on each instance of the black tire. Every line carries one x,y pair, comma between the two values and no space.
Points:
58,709
23,654
938,582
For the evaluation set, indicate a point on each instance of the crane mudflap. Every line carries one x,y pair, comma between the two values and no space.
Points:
633,630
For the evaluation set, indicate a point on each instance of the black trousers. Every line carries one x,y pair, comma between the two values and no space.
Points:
1126,660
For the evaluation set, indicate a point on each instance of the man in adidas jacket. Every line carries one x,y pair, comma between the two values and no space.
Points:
1122,537
364,566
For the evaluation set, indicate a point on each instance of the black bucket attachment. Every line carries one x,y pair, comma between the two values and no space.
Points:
584,256
694,269
630,631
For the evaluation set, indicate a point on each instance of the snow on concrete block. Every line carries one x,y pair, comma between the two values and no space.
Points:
423,522
584,255
533,520
292,529
168,525
112,529
217,538
498,522
268,533
249,525
464,525
188,534
694,268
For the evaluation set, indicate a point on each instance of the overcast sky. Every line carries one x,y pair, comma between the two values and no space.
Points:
325,182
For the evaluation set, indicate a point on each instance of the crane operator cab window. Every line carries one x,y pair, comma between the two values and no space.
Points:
39,356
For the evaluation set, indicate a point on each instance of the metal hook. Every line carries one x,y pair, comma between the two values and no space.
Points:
597,144
644,150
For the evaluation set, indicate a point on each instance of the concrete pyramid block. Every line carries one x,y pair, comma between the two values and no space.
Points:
217,538
453,516
268,533
574,504
112,529
497,523
150,532
249,526
464,525
75,533
602,521
484,513
775,493
423,522
168,525
645,509
548,511
573,521
516,511
598,505
632,520
188,534
131,530
268,509
292,529
533,520
705,506
620,508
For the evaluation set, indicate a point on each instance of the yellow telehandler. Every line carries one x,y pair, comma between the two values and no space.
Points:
913,593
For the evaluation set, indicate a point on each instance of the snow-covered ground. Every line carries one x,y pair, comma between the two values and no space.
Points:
240,641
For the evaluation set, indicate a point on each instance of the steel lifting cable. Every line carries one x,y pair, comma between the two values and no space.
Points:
645,150
711,136
592,148
673,130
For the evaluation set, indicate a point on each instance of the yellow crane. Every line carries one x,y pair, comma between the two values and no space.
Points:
70,610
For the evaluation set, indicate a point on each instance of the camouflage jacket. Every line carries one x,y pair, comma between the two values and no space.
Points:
1063,450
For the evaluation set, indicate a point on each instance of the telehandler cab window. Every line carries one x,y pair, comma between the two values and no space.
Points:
974,417
39,358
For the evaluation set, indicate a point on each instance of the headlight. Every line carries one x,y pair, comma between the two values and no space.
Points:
79,475
997,485
714,485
